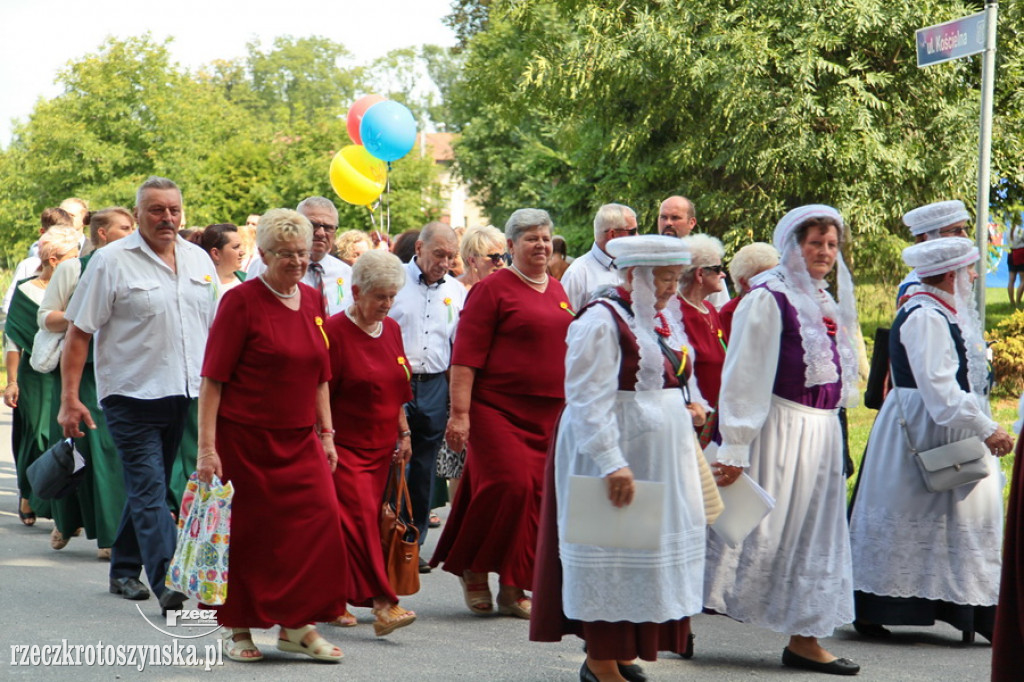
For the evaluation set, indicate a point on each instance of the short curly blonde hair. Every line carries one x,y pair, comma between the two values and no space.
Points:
279,224
751,260
58,241
346,243
481,240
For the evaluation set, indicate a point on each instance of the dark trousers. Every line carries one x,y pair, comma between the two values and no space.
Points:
428,416
147,434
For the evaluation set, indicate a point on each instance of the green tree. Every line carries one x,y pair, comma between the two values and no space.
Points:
750,107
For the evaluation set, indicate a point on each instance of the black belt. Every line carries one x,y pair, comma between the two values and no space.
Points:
426,377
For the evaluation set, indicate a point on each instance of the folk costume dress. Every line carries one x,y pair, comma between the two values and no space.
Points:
288,559
625,603
38,402
101,492
793,573
920,556
369,384
708,337
514,336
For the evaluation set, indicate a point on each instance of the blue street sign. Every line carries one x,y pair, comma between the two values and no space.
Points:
951,40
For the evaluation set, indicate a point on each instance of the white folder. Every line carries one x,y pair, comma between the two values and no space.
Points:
593,520
746,505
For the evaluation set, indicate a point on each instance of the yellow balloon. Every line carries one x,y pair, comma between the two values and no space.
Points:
356,176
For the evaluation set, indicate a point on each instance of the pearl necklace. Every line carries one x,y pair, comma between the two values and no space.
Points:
278,293
539,283
699,306
376,330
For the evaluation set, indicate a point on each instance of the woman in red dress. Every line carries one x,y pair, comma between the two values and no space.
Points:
703,277
750,261
369,386
265,425
508,369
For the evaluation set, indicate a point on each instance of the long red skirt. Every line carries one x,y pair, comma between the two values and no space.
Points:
492,527
287,564
359,483
1008,641
620,640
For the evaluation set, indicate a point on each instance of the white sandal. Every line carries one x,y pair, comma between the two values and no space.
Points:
319,648
235,648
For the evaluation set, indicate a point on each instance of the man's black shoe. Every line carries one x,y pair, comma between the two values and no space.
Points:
424,566
129,588
171,601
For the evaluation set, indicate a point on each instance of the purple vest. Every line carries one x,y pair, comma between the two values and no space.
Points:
791,370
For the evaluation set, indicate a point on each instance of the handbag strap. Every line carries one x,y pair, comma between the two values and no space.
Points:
675,363
895,393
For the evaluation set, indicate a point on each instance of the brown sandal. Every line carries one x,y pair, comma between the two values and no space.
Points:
390,619
478,598
345,620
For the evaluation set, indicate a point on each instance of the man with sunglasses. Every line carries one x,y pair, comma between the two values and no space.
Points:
594,270
327,274
937,220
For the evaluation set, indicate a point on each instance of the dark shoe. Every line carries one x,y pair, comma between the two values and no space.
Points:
129,588
688,653
586,675
873,630
987,634
632,672
424,566
840,666
27,517
171,600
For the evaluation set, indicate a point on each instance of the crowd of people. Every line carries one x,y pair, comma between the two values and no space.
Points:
304,365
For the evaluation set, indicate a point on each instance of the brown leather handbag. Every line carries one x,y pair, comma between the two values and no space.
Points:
399,538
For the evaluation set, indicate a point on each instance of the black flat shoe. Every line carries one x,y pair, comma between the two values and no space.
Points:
632,672
129,588
688,652
171,600
873,630
424,566
586,675
840,666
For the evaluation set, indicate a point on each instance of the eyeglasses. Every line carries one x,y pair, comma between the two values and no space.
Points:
953,231
717,269
290,255
326,227
496,258
624,230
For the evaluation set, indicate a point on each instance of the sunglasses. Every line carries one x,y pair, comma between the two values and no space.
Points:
496,258
326,227
624,230
718,269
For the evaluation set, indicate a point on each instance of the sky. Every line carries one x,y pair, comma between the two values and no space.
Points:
41,36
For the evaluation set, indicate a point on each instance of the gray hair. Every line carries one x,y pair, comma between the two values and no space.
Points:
523,220
57,241
705,250
751,260
436,229
279,224
611,217
478,241
317,202
155,182
378,269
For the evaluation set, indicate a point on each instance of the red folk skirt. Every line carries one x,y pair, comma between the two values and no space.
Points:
359,483
287,564
492,527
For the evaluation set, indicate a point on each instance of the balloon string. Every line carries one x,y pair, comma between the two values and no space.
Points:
389,200
373,221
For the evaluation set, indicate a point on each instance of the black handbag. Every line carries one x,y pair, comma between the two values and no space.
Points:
53,476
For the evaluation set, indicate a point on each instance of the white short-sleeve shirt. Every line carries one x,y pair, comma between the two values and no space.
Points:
150,323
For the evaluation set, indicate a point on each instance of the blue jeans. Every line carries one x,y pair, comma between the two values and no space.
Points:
428,416
147,434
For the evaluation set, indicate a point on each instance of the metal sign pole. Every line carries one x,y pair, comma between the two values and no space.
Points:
988,77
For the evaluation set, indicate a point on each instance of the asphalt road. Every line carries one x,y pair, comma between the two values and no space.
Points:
60,600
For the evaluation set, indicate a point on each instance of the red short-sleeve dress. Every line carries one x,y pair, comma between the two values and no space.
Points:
708,338
514,336
287,552
369,384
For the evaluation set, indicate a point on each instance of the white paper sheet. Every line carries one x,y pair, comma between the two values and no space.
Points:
746,504
592,520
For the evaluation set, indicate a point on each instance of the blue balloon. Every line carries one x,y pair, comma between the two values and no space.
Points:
388,130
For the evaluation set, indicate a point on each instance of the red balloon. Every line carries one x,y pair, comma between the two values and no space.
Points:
355,115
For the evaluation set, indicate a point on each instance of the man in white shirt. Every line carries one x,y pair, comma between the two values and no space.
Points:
594,270
677,218
148,300
427,310
331,276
